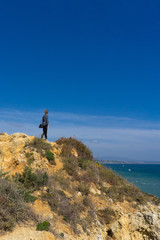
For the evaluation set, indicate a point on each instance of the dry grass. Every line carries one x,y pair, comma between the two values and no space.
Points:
61,204
12,206
107,215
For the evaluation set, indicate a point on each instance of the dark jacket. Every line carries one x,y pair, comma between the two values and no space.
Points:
45,120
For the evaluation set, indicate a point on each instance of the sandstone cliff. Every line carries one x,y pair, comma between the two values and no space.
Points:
60,184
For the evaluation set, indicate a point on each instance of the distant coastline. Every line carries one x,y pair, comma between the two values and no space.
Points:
124,162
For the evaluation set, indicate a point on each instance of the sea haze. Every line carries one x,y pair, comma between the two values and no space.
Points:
144,176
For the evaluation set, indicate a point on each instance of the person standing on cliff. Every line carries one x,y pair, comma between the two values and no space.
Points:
45,124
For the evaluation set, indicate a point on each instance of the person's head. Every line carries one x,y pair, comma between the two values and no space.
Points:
46,111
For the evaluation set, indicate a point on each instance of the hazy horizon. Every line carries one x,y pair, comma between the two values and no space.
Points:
118,137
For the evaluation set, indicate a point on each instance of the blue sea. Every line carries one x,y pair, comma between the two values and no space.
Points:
144,176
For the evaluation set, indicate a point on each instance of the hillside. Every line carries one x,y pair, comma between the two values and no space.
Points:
56,190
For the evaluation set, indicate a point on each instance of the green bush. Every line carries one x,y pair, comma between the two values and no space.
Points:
44,226
50,156
30,161
83,163
29,198
62,234
31,180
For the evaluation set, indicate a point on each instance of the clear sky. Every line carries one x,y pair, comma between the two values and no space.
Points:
94,64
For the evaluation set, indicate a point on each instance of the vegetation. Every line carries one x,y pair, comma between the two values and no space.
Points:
107,175
44,226
31,180
39,145
70,166
83,188
85,171
30,161
50,156
12,206
127,192
29,198
28,155
87,202
61,204
107,215
62,187
69,143
59,179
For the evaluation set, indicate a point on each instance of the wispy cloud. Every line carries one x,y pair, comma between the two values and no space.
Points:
105,135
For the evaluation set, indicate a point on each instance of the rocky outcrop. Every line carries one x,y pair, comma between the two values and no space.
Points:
140,223
13,152
143,224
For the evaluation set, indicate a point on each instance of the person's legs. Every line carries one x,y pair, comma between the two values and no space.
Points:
45,132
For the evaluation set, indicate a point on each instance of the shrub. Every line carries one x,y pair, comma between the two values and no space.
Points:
127,192
60,179
70,143
83,188
3,174
132,193
50,156
62,205
109,176
62,234
12,206
29,198
40,145
107,215
70,165
154,199
93,173
83,163
30,161
28,155
87,202
44,226
31,180
87,223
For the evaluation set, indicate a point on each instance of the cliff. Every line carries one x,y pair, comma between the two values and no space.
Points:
57,191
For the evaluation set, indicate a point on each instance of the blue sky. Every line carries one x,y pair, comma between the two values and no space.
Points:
93,64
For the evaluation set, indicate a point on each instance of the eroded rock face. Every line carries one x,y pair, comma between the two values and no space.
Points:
131,224
144,224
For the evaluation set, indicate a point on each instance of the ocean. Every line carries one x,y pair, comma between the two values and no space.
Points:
144,176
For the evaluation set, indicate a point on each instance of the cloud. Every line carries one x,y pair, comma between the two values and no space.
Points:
105,135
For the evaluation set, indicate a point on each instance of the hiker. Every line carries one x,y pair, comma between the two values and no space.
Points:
45,124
